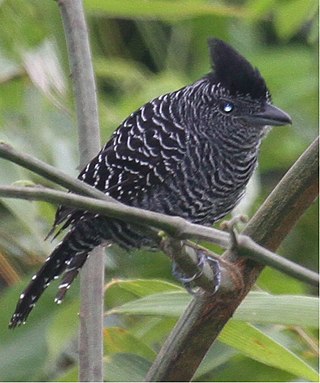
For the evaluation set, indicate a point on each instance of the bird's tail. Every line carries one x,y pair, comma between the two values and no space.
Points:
68,257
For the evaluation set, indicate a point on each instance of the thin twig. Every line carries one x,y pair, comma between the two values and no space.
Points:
49,172
274,228
190,231
176,227
248,248
57,176
92,275
173,226
204,318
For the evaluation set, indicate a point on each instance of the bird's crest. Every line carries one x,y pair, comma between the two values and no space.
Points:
234,72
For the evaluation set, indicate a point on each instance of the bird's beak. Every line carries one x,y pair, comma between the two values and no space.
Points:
270,115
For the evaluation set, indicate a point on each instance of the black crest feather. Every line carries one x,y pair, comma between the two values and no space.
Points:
234,72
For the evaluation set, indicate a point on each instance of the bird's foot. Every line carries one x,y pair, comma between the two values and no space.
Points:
190,283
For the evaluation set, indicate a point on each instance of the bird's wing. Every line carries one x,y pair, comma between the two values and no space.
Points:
142,153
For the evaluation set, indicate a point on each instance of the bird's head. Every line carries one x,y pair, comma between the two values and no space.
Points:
236,93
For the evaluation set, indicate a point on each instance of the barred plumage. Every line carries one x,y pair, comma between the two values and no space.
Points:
189,153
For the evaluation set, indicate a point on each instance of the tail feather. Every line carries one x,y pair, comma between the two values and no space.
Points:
70,274
69,255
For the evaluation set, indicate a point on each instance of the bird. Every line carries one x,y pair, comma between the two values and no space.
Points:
188,153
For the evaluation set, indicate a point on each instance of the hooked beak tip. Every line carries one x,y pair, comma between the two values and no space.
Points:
272,116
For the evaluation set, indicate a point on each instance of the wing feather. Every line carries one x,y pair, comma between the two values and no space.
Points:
145,149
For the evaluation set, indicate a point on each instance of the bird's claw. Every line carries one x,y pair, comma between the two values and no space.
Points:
190,282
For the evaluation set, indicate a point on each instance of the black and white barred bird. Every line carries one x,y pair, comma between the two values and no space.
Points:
189,153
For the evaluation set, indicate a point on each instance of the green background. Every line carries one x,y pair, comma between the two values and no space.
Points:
142,49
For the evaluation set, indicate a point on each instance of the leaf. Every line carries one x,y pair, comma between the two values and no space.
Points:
164,304
258,346
123,73
118,340
30,219
243,369
291,15
160,9
23,351
45,72
217,355
63,329
9,68
71,375
277,283
298,310
126,367
23,356
152,330
257,308
143,287
258,8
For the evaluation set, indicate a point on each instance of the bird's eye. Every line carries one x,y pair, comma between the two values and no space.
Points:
226,107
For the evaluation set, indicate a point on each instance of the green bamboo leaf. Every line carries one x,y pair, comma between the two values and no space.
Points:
63,329
217,355
152,330
258,8
240,368
142,287
30,219
119,340
163,304
290,310
122,72
119,292
23,351
160,9
257,308
125,367
291,15
258,346
71,375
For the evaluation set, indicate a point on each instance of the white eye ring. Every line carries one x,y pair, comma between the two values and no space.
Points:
227,107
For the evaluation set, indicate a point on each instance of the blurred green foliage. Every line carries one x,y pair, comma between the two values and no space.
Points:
142,49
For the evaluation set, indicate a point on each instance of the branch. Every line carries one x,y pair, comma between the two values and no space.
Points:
50,172
248,248
178,229
206,316
92,275
173,226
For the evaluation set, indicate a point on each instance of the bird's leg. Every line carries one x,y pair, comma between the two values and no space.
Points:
192,265
204,260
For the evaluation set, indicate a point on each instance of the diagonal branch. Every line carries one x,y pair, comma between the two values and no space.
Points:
303,176
206,315
50,172
178,228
